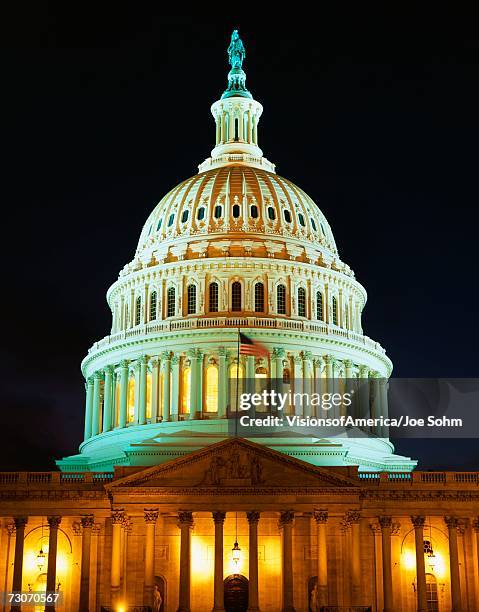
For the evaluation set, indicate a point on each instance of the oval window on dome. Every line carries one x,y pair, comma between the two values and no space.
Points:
171,219
200,215
322,229
287,215
159,224
236,211
254,211
271,213
184,216
313,224
301,220
218,211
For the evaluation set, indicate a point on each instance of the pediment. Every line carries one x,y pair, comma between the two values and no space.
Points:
235,463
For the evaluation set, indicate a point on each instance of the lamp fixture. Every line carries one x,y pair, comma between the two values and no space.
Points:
236,551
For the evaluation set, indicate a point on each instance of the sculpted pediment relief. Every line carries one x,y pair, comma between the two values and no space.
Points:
232,463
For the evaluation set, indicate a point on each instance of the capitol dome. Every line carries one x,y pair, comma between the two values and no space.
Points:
235,246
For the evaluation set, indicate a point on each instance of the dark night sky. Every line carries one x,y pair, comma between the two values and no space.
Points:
374,115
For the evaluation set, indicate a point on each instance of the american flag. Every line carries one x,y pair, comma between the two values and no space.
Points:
250,347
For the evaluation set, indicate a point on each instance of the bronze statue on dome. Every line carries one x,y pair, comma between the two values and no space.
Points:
236,51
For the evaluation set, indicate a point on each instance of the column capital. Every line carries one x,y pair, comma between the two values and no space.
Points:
89,381
320,515
385,521
98,375
286,518
185,517
165,356
108,370
175,360
191,353
253,517
451,522
124,363
363,371
278,352
352,517
297,360
151,515
87,521
219,517
54,521
20,521
154,362
348,363
418,521
475,525
222,352
143,360
307,355
117,516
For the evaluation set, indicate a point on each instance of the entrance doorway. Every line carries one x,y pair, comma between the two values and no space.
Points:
236,593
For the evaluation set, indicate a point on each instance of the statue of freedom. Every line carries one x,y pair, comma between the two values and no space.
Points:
236,51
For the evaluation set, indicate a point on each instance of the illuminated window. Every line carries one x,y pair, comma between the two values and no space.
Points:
184,216
281,299
287,215
236,211
431,593
335,311
185,391
117,404
153,305
236,375
148,396
301,302
131,400
259,297
271,213
236,296
254,211
191,299
138,311
301,220
213,297
171,302
319,306
161,391
200,215
211,391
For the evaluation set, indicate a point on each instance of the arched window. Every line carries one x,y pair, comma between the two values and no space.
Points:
184,216
236,296
185,390
153,305
218,211
254,211
432,598
191,299
319,306
211,391
301,220
335,311
148,396
200,215
159,224
236,376
322,229
213,297
281,299
138,311
171,219
131,400
271,213
287,215
313,224
259,297
301,302
171,302
236,129
236,211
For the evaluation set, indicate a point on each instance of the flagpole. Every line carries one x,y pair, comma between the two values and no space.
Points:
237,385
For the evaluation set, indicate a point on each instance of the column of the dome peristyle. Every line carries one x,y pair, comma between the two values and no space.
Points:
123,393
175,386
199,386
192,355
142,391
166,369
253,601
88,407
137,369
318,381
222,382
277,363
348,374
20,523
286,523
107,403
383,392
151,516
452,524
364,391
154,390
386,524
418,522
185,523
54,524
321,518
298,384
218,590
117,518
87,525
307,381
95,422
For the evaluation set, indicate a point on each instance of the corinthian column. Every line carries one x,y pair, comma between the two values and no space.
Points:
386,523
166,365
175,386
151,517
354,519
185,523
95,422
87,524
108,398
452,524
142,391
253,600
154,390
123,393
321,518
218,605
20,523
88,407
54,523
418,522
222,382
117,518
193,383
286,523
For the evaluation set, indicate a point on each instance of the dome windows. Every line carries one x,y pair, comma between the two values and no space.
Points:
254,211
319,306
184,216
301,220
138,311
313,224
259,297
153,305
171,302
236,297
281,299
271,213
335,310
213,297
158,227
287,215
236,211
218,212
171,219
301,302
200,215
191,299
322,229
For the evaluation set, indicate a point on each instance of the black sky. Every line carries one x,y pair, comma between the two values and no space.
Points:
374,115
